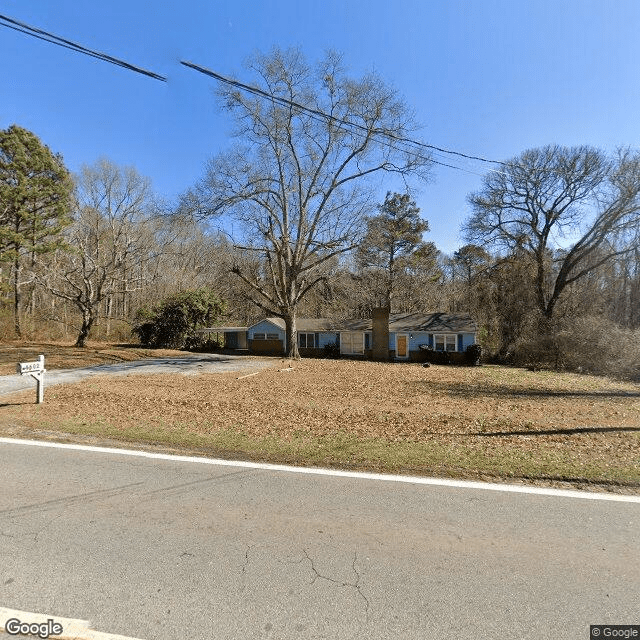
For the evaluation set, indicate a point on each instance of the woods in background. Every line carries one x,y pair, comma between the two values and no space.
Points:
550,271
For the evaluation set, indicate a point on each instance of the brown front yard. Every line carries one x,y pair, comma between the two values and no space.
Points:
487,422
63,356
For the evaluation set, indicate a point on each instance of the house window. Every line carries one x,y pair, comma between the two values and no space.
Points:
273,336
259,336
306,340
445,343
352,342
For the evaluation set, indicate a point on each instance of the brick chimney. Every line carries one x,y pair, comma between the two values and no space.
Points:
380,333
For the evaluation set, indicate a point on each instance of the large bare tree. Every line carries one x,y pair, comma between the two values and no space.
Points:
570,210
298,179
109,240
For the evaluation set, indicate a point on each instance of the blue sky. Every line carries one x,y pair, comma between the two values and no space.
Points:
485,77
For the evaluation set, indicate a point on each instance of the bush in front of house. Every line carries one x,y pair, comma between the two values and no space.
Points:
472,355
432,356
174,323
332,349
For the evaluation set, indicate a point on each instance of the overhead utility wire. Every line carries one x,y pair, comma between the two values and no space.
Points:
315,114
21,27
68,44
320,116
326,116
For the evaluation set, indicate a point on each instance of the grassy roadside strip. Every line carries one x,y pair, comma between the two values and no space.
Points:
348,451
492,423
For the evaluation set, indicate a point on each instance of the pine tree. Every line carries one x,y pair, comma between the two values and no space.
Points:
393,246
35,193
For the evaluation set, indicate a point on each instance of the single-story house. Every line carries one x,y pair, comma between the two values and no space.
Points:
269,335
399,336
232,337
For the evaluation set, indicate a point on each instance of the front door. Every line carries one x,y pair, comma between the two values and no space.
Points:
401,346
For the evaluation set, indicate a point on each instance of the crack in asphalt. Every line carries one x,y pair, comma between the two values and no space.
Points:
245,564
355,585
47,525
246,559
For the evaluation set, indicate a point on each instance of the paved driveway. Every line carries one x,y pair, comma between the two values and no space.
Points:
190,364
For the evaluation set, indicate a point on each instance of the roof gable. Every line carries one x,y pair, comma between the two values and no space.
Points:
278,323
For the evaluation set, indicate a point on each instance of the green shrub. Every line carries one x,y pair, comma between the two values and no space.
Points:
472,355
174,323
332,350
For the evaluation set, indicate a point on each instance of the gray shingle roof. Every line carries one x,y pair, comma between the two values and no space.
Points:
431,322
305,324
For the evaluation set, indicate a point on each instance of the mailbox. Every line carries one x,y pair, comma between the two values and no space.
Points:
35,370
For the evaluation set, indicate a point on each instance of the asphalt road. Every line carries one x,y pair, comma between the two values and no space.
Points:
189,365
159,549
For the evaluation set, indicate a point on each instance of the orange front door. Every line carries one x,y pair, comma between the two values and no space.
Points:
402,347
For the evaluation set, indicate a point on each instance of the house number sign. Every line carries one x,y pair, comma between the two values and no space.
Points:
35,370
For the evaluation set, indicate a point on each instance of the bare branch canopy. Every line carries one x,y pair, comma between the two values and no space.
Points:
298,180
570,209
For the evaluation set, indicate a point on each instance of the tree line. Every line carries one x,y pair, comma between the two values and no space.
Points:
550,268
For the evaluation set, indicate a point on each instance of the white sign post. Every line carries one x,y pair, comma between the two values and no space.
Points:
35,370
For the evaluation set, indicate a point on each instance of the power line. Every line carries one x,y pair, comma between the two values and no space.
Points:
46,36
315,112
21,27
321,116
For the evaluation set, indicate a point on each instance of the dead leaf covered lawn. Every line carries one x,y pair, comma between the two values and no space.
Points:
493,421
59,355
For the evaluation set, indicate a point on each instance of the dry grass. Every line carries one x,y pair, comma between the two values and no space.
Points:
488,422
60,355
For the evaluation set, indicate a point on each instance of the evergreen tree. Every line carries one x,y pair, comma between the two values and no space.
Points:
35,192
174,323
393,246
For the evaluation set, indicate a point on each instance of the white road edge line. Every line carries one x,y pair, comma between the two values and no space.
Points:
71,629
443,482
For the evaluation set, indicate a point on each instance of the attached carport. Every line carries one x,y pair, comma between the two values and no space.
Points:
230,337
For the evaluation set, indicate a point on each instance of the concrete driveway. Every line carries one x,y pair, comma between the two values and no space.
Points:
190,364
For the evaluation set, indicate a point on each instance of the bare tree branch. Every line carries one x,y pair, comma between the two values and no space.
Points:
299,182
